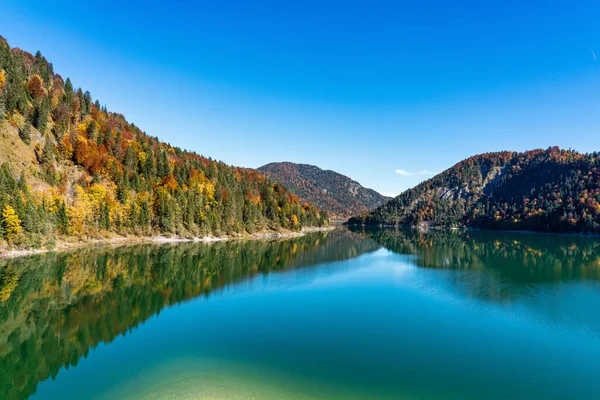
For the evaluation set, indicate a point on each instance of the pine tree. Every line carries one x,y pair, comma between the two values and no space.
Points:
25,133
68,96
130,159
144,214
105,215
122,189
48,155
41,115
63,219
162,165
87,103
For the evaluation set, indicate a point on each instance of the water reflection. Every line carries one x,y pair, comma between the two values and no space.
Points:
517,256
498,266
54,308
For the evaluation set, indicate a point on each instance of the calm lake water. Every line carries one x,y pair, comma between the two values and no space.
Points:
379,314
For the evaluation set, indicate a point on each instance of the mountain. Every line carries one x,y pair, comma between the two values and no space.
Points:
326,189
72,168
549,190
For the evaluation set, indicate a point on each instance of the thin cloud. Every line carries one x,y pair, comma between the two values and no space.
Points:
593,54
406,173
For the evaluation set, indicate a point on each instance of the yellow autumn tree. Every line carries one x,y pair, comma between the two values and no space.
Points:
142,157
80,213
10,281
295,221
10,222
97,193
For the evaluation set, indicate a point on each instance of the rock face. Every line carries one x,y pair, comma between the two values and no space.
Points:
326,189
543,190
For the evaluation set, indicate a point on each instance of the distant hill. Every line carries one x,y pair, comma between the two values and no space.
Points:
326,189
549,190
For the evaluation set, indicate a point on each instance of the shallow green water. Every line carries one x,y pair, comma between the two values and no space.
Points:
377,314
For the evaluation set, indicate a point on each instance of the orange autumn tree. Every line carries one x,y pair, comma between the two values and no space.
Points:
36,86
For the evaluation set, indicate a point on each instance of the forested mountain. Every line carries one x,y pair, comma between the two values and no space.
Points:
542,190
71,167
326,189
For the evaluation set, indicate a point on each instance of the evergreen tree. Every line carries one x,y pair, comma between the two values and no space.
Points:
130,159
105,215
162,166
41,111
25,133
144,214
48,155
68,95
63,219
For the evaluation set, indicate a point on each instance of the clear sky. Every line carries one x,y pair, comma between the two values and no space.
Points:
366,88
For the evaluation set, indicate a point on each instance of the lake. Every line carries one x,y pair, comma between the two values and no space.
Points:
377,314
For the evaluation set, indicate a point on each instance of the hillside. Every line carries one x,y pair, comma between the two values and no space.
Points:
542,190
69,167
326,189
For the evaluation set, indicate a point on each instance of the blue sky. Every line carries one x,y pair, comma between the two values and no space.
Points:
366,88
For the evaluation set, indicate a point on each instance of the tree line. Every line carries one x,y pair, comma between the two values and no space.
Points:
94,172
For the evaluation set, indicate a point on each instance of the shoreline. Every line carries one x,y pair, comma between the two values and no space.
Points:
469,228
65,245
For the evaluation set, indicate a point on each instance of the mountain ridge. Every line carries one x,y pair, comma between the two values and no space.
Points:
329,190
552,190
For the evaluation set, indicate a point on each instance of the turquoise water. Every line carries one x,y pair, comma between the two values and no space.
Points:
377,314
